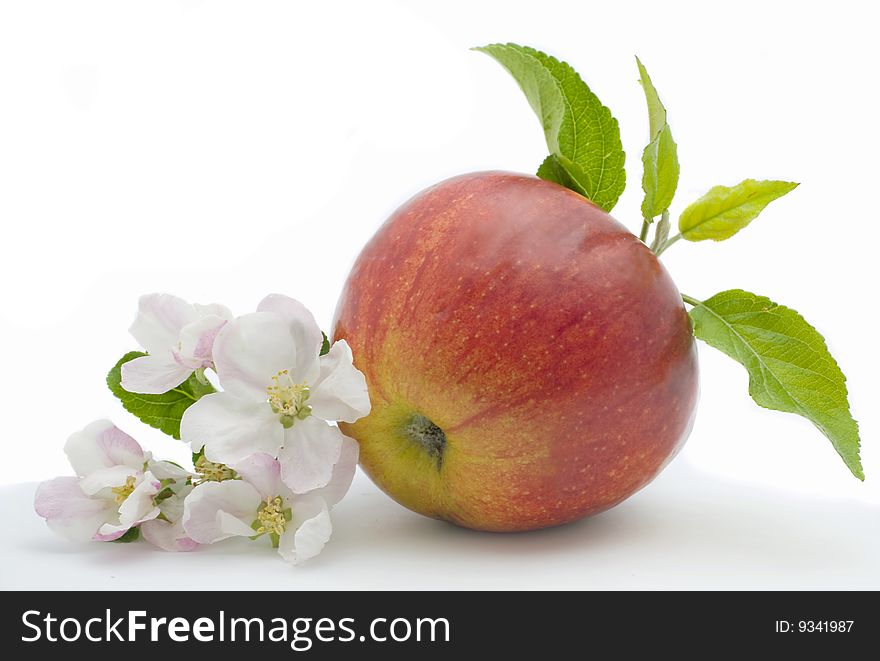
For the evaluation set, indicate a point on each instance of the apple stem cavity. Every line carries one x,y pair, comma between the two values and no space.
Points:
428,436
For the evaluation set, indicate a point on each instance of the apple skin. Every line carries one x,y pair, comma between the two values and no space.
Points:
545,340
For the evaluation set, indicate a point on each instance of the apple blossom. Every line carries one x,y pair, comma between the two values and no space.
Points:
178,337
260,503
210,471
113,491
166,530
278,395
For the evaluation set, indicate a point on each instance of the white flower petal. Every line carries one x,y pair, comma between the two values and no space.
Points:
154,374
213,310
308,531
263,472
212,378
197,341
69,511
172,508
230,428
209,506
343,474
311,450
232,526
168,536
139,506
106,478
101,445
305,331
340,393
165,470
110,532
250,350
159,320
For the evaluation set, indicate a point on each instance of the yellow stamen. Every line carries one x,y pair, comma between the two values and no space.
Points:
288,399
209,471
271,517
123,492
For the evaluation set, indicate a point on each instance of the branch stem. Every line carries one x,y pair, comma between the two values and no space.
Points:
667,244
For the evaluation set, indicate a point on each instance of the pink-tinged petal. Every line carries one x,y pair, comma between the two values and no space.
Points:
110,532
308,531
70,512
343,474
340,393
263,472
96,482
304,330
168,536
159,320
311,450
230,428
197,341
154,374
249,351
139,506
102,445
209,506
185,545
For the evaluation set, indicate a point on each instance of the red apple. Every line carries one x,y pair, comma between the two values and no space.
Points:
529,360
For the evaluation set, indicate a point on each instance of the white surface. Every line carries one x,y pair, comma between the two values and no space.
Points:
686,530
224,150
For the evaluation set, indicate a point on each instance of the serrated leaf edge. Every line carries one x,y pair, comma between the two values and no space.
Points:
700,200
858,470
528,52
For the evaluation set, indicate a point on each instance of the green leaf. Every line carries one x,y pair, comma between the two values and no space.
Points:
723,211
660,157
325,345
131,535
656,109
577,127
562,171
790,368
551,170
160,411
660,176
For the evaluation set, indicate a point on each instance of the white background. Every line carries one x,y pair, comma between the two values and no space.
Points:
222,151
